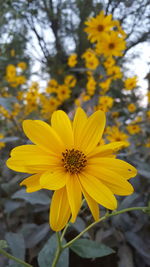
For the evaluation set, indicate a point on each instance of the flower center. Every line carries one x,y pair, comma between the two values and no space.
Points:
111,45
100,28
73,160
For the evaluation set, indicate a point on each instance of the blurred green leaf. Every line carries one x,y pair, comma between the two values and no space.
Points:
32,198
17,246
3,244
47,253
90,249
34,234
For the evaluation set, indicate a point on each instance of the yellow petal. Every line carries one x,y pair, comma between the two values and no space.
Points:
93,131
98,191
74,195
32,183
40,133
62,125
22,165
53,180
26,150
59,210
94,207
105,150
119,166
114,181
79,122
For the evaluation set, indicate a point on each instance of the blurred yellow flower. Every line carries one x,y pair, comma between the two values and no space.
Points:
131,107
130,83
133,129
72,60
114,134
2,144
91,85
63,92
70,80
22,65
105,103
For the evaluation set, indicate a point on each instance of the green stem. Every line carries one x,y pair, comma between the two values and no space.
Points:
58,251
64,231
107,215
11,257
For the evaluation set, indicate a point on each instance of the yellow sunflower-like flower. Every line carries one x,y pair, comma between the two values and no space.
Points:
111,45
98,26
66,158
130,83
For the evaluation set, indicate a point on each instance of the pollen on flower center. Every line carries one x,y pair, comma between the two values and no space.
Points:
73,160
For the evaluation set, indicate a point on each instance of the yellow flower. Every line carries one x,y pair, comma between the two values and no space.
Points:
22,65
72,60
130,83
20,80
114,134
91,85
10,71
98,26
105,103
114,72
131,107
111,45
105,85
70,80
109,62
65,158
63,92
91,60
52,86
2,144
133,129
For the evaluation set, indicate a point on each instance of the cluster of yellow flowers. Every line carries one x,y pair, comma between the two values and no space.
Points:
12,76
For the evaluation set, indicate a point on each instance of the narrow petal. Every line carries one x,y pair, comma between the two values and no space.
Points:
98,191
114,181
105,150
27,166
93,131
53,180
32,183
22,162
74,195
62,125
40,133
26,150
59,210
119,166
79,122
94,207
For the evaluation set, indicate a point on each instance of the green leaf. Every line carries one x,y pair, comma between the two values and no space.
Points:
3,244
16,244
90,249
32,198
47,254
